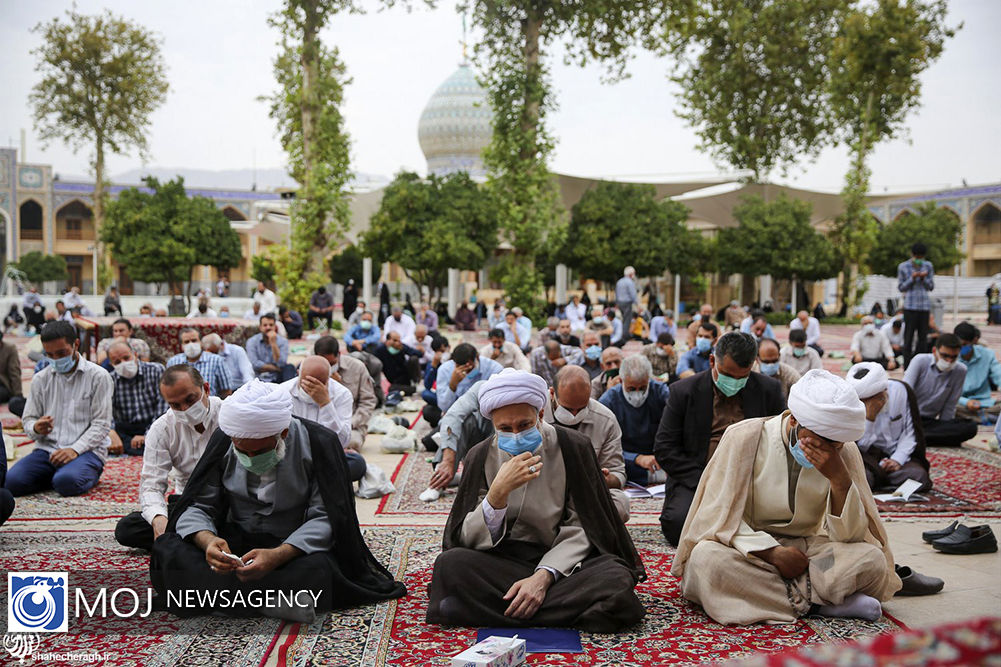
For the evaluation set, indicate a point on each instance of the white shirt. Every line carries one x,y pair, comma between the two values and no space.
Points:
72,300
874,345
268,301
252,316
171,451
208,313
241,371
405,327
335,415
424,345
576,315
812,329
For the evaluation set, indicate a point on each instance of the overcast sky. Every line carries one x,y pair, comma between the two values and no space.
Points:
219,52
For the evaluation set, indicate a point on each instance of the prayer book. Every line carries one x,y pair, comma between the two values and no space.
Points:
903,494
540,640
493,652
634,490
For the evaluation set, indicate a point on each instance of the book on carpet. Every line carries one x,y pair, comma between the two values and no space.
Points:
634,490
540,640
905,493
493,652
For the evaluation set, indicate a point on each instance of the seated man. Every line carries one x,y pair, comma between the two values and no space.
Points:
421,341
68,413
292,322
895,334
563,334
517,333
699,410
937,380
461,428
317,397
798,356
282,504
564,559
354,317
733,315
210,366
811,325
122,328
982,370
663,324
268,353
551,356
893,446
431,412
552,327
400,323
637,403
768,363
321,307
611,361
783,523
353,375
136,401
870,344
576,312
235,357
572,407
696,359
427,317
465,318
254,313
266,298
592,354
458,374
6,499
401,364
496,318
174,443
662,357
505,353
705,314
11,391
363,336
757,325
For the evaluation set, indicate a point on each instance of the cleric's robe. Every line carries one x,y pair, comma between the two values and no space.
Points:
754,496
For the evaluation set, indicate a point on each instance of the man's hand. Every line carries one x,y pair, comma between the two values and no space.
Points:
61,457
315,389
267,368
971,405
891,364
512,475
889,465
159,525
336,377
138,441
264,561
611,481
648,461
459,374
271,336
358,344
496,353
826,459
559,362
614,381
215,549
444,471
790,561
528,595
44,425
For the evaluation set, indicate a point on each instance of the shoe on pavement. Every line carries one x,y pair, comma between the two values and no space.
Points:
916,583
930,536
966,540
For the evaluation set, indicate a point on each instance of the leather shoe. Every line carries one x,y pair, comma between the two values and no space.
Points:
916,583
966,540
930,536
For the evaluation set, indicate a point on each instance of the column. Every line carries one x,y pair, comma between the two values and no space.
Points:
453,291
96,288
677,295
792,301
766,290
366,281
561,283
8,228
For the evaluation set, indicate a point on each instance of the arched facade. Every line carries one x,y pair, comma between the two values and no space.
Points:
31,215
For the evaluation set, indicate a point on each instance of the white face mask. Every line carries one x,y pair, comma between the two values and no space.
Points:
446,356
195,414
868,328
127,369
568,418
334,368
192,350
661,352
636,398
944,366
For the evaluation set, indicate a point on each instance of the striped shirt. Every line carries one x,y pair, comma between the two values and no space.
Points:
212,368
137,400
915,290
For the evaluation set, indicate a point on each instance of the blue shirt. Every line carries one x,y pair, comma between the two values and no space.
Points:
625,290
524,334
915,290
981,369
693,361
212,368
260,354
446,397
659,325
369,337
237,365
745,327
639,425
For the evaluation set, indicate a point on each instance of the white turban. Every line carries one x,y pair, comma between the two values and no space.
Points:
828,406
510,387
256,410
867,379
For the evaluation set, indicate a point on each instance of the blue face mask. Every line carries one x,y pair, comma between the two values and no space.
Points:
261,463
965,350
703,344
728,385
517,443
593,352
392,350
798,351
770,370
366,325
797,452
473,374
63,365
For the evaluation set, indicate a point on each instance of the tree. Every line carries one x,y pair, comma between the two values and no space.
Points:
161,234
102,79
349,264
938,228
39,268
429,226
262,269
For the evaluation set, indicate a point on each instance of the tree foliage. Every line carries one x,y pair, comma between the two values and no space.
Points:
39,268
776,238
428,226
938,228
262,269
102,77
349,264
161,234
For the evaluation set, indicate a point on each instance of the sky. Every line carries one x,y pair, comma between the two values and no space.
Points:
219,52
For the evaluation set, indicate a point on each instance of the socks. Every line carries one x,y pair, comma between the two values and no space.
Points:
429,495
859,605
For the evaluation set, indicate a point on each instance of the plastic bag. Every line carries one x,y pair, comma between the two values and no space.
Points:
399,440
375,483
380,424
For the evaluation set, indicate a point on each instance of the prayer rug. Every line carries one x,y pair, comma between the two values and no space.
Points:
115,495
966,482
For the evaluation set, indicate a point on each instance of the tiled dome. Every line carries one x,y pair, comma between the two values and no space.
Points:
455,125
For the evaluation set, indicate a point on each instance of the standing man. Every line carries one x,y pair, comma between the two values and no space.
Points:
625,296
267,299
268,353
916,280
321,307
212,368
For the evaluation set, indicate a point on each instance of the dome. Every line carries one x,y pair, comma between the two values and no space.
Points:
455,126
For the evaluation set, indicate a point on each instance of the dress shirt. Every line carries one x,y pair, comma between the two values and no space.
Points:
510,356
981,369
170,453
30,299
429,318
320,302
496,319
915,290
577,314
892,432
335,415
72,300
524,333
422,345
543,367
268,301
369,337
812,329
212,368
873,345
137,400
259,353
252,316
80,404
804,364
625,290
659,325
195,313
237,365
692,360
937,392
745,327
405,326
485,368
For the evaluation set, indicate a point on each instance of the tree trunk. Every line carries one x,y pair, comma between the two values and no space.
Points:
530,29
309,76
746,289
98,201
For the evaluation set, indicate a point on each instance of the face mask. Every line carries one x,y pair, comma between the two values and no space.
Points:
868,328
366,325
636,398
966,350
262,463
473,374
593,352
918,262
798,455
192,350
63,365
612,373
703,344
727,385
392,350
195,414
334,368
224,313
599,319
567,418
397,317
661,352
944,366
771,369
518,443
127,369
446,356
359,309
799,351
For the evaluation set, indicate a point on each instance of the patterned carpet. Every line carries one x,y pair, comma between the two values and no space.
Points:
116,494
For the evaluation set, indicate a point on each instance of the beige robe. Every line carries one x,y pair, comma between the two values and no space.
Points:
746,503
355,376
539,511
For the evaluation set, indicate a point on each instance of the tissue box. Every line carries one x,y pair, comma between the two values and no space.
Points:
493,652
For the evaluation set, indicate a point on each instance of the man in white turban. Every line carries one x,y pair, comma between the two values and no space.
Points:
789,526
260,513
893,447
532,538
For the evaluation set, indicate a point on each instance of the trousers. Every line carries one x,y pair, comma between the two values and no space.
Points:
915,324
948,432
35,473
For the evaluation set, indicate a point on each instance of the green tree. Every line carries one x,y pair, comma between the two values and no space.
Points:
102,79
39,268
428,226
262,269
349,264
206,229
938,228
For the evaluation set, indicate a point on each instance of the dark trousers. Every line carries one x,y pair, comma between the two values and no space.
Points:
313,315
626,307
6,498
948,432
677,501
14,403
128,430
819,349
879,478
915,324
133,531
432,414
35,473
356,465
636,473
